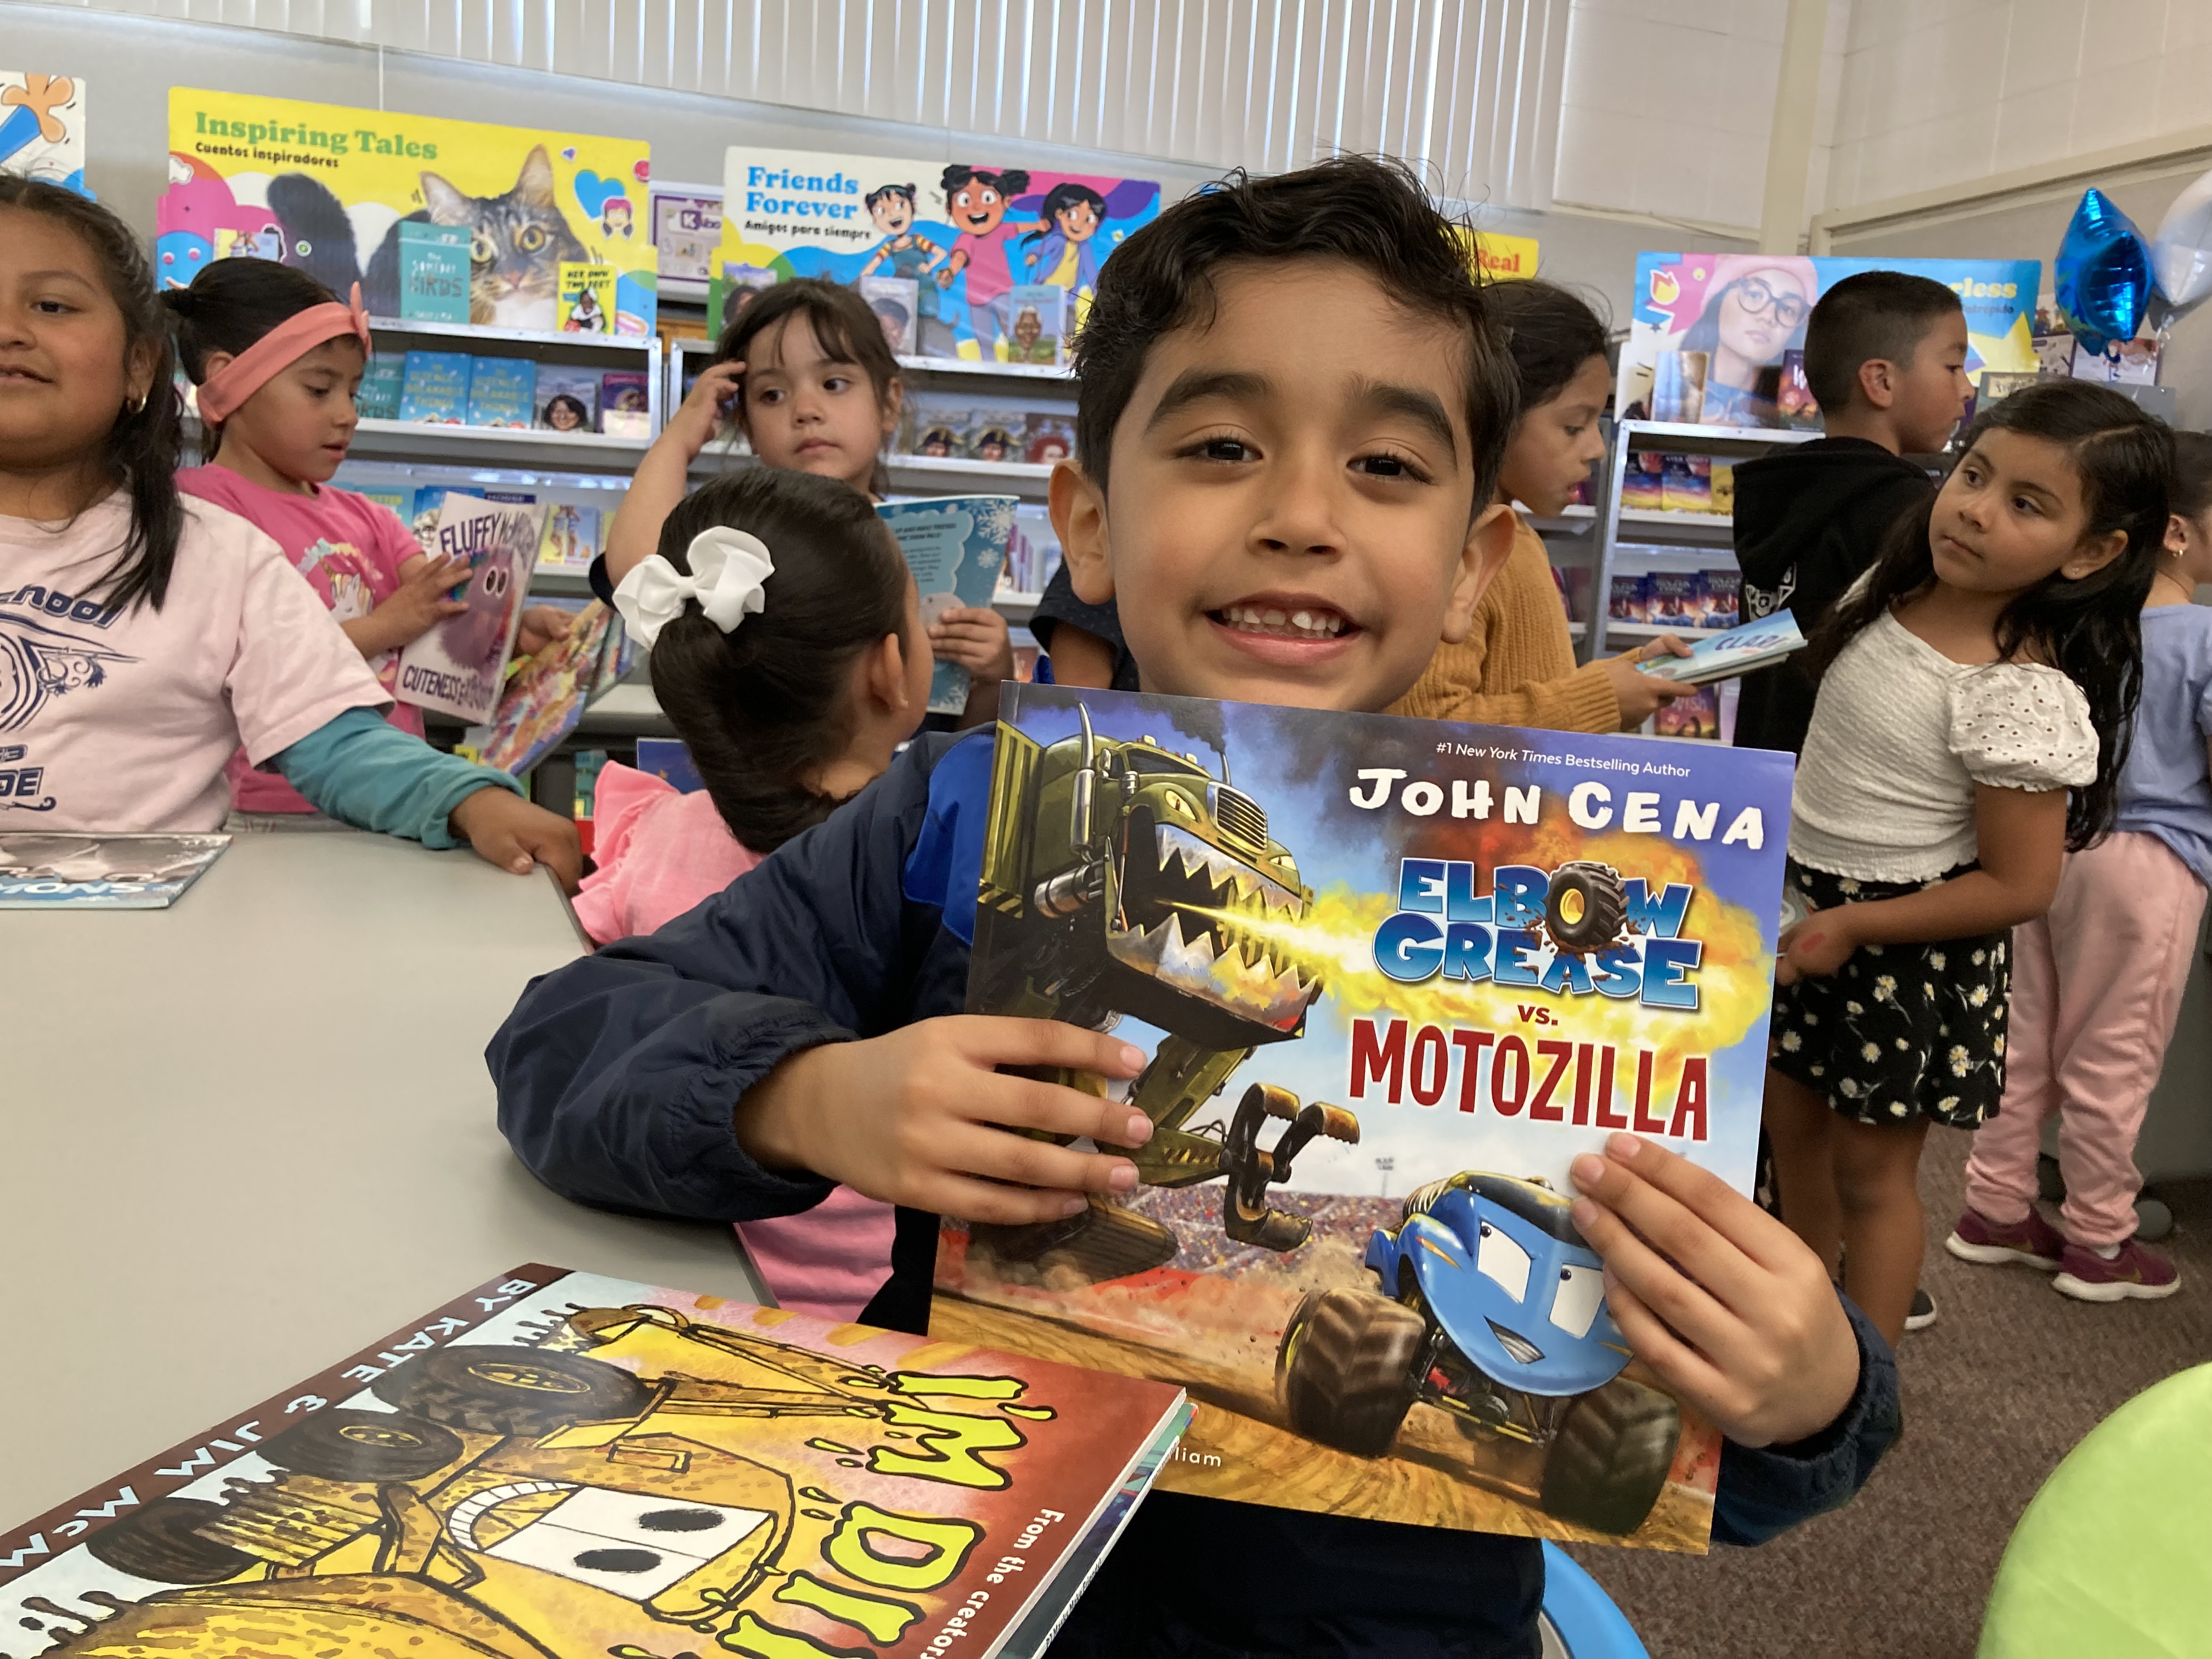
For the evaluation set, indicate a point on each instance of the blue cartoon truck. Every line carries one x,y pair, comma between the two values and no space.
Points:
1492,1309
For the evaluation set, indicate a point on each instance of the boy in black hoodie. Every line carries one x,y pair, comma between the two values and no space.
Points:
1885,356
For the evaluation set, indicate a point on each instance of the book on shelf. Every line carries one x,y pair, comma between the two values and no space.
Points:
382,383
896,302
994,435
1686,483
562,1462
459,666
670,759
587,298
625,403
1642,484
571,540
422,512
956,545
1726,656
1698,715
434,273
567,399
58,870
1048,439
1394,975
545,697
501,390
686,230
1039,311
1677,599
435,387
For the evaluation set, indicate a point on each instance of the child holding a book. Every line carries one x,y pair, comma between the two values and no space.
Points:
1985,667
146,635
805,374
788,650
1516,666
803,1028
2099,981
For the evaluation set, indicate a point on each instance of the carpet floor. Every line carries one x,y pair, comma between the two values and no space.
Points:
2005,1383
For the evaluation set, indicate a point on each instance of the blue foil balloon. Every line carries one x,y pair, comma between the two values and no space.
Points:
2102,274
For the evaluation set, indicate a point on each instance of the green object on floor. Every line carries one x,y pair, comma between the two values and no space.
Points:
2109,1559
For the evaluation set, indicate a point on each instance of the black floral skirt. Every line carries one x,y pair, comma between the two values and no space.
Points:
1900,1031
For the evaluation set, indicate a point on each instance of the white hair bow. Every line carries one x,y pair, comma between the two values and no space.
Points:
729,570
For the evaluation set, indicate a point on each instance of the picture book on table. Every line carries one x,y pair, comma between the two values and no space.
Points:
50,870
42,128
966,231
562,1462
956,546
567,399
1393,976
1726,656
335,185
545,697
459,666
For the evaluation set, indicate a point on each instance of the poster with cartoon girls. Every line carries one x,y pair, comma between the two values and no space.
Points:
966,233
42,127
1717,339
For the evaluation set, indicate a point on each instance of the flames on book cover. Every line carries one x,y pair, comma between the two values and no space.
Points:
563,1463
1394,976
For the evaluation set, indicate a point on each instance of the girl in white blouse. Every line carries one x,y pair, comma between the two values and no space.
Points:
1987,665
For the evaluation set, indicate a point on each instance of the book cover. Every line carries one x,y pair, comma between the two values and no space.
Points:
400,501
934,424
1686,483
434,273
686,229
1698,715
435,387
50,870
501,390
1793,398
422,514
567,399
1040,325
1394,975
1630,598
1641,484
586,299
1723,597
572,539
669,759
1723,486
382,383
625,403
1676,600
1725,656
955,545
996,434
1048,439
896,302
459,666
564,1463
545,697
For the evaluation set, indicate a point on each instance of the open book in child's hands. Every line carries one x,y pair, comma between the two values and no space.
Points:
1724,656
956,546
460,665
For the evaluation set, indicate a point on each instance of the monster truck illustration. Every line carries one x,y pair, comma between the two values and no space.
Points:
1492,1309
429,1527
1114,876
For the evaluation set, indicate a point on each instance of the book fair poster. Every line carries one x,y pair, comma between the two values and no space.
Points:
327,189
42,127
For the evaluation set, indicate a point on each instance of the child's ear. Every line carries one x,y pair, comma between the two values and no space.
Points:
1878,381
1489,543
883,673
2092,556
2176,535
146,360
1079,518
894,403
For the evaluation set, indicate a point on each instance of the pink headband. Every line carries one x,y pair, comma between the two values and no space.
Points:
282,346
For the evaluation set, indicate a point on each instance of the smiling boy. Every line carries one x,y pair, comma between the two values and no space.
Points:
1286,513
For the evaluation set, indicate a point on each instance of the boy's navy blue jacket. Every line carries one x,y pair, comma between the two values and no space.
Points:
616,1079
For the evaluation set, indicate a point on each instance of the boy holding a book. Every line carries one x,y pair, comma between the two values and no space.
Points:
1885,355
1287,516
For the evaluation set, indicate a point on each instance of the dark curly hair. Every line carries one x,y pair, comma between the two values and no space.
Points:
2091,630
762,706
1369,213
143,446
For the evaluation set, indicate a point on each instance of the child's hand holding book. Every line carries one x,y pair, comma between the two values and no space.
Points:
1722,1301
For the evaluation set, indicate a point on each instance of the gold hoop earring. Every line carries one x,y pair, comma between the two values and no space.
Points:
138,408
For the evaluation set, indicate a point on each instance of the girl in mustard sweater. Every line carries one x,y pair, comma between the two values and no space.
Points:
1516,666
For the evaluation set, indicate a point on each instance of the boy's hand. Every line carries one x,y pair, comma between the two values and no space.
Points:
1724,1302
1640,694
705,408
922,1116
1819,944
509,831
975,638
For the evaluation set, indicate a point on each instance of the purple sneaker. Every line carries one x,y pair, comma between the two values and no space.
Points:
2033,1243
2135,1272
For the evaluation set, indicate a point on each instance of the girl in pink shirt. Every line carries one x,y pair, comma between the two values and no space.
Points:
789,650
272,455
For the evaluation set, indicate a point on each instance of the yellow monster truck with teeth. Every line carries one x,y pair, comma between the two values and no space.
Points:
1115,878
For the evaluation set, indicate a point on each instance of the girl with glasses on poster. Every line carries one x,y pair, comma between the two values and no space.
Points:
1755,310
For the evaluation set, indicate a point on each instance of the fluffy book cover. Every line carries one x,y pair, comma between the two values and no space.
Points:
563,1463
460,665
1394,975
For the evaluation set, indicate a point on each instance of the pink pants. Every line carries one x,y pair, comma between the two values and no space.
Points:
2096,987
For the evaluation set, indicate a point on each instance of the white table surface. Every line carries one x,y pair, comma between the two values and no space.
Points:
245,1136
